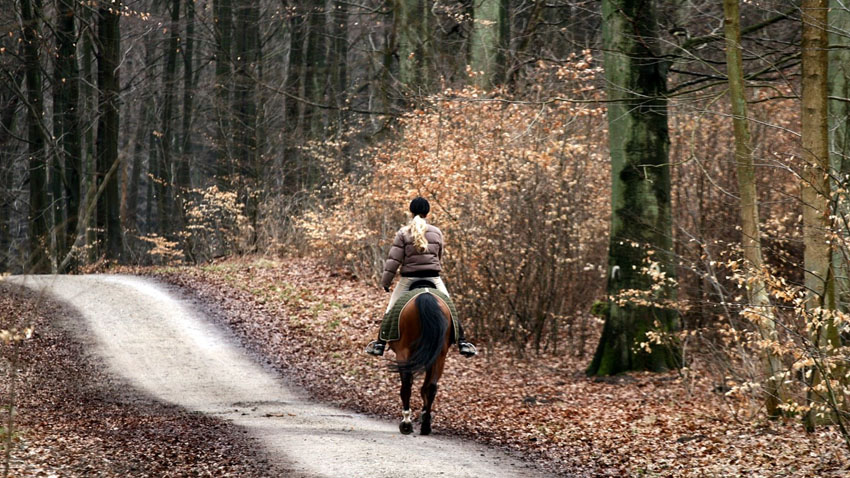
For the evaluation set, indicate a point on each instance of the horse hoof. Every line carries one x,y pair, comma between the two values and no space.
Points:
406,428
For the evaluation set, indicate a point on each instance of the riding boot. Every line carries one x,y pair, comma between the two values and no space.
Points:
466,348
376,347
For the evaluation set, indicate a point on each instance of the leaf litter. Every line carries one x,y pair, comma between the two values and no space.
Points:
311,321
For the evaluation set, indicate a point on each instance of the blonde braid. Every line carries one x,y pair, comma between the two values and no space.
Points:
417,228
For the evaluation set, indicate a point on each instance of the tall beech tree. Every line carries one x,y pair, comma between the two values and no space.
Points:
641,223
88,227
8,105
838,84
108,57
316,68
761,309
164,177
819,276
414,31
183,174
223,29
486,42
66,125
293,108
247,55
39,210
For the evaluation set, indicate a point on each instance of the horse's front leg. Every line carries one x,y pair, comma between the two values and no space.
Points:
406,425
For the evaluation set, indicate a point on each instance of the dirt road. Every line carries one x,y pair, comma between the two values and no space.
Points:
162,345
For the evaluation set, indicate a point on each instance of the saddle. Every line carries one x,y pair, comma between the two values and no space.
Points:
389,325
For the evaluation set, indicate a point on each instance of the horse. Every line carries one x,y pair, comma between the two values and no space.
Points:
424,339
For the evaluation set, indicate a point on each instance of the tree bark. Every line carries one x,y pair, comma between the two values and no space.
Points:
247,53
39,210
184,180
817,257
315,75
144,131
164,187
8,106
838,84
223,18
486,58
413,43
293,108
90,95
757,294
108,208
339,18
67,125
641,223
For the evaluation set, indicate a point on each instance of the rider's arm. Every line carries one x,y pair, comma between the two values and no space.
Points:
394,260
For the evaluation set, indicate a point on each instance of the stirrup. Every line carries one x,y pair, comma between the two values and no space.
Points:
467,349
376,348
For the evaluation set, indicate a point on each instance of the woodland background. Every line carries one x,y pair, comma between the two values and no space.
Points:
674,170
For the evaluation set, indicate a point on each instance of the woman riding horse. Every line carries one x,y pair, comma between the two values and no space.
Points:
418,249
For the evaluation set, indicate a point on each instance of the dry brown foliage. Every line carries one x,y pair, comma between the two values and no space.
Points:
312,321
519,190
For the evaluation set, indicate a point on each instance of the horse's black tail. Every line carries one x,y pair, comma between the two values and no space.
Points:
432,335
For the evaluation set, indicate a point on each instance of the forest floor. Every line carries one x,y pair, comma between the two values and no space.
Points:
311,322
77,419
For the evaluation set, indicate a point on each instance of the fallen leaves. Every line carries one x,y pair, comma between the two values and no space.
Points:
312,323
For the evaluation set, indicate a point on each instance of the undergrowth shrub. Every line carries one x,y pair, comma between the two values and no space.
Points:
723,327
216,224
520,190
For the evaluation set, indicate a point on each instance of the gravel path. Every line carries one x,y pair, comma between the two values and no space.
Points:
163,346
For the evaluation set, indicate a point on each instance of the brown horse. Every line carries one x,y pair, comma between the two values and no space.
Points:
424,328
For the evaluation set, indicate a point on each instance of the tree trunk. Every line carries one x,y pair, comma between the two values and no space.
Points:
292,107
8,108
247,57
641,223
817,259
184,181
143,133
39,210
89,101
164,188
838,84
485,44
67,124
757,294
339,18
108,208
182,173
413,43
223,34
315,77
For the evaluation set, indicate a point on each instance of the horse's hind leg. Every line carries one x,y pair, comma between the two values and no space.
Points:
429,393
406,426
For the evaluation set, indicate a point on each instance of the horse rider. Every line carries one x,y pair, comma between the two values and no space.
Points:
418,249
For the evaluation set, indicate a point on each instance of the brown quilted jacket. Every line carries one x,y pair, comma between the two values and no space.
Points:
413,261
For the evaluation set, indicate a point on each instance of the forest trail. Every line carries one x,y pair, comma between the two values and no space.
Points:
162,345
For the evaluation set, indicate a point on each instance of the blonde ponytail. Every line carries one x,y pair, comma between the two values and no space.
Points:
417,228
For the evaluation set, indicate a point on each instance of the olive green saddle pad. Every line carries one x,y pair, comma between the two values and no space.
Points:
389,326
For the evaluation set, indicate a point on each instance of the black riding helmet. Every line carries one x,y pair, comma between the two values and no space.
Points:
420,207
